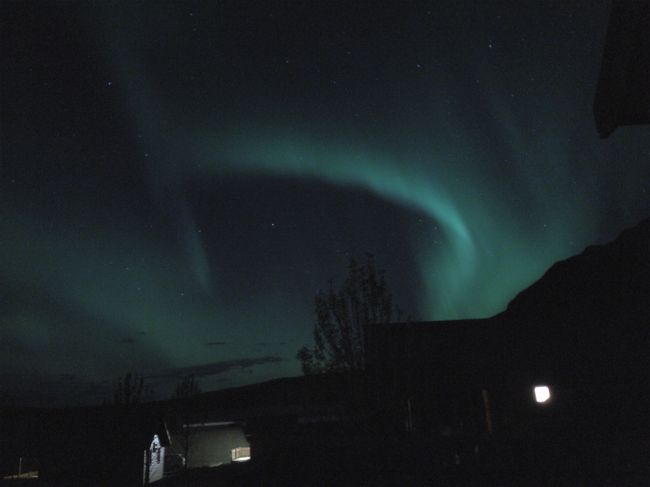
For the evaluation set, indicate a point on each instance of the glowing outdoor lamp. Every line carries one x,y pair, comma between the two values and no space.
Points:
542,394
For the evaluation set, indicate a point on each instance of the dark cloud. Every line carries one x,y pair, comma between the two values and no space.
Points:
216,368
68,377
37,327
211,344
39,390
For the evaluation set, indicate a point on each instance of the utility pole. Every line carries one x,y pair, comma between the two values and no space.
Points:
487,410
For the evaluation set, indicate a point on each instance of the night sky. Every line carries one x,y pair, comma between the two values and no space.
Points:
178,180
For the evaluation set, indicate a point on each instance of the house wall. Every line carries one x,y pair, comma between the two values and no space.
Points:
210,446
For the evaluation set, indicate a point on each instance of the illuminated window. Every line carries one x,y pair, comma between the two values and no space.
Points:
241,454
542,394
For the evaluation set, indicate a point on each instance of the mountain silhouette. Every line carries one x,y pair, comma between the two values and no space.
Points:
587,319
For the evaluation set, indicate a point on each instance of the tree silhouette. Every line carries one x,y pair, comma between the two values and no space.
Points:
342,317
128,390
186,389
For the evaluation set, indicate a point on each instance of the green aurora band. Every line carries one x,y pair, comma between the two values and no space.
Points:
500,228
487,254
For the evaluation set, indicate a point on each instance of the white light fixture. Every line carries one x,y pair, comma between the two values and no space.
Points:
542,394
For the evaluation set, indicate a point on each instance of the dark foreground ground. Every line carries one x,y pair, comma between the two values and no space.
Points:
240,478
250,475
341,459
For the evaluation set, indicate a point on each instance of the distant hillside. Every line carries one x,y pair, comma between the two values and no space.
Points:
604,278
589,315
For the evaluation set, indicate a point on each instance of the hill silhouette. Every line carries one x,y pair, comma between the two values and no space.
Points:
587,319
603,278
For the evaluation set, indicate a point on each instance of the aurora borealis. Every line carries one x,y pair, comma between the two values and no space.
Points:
179,179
